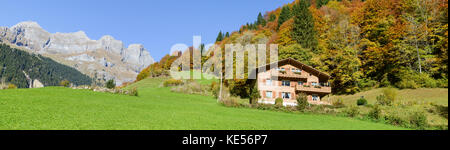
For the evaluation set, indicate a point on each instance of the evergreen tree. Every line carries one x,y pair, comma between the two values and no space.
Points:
110,84
219,37
272,17
303,29
320,3
251,26
227,35
284,15
261,21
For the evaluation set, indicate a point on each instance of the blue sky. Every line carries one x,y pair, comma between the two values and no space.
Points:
158,24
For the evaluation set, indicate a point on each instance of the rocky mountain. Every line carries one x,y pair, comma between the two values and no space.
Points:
27,70
103,59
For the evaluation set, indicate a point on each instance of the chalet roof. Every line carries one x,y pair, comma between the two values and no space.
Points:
293,62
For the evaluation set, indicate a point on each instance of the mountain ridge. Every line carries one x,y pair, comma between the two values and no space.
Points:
76,49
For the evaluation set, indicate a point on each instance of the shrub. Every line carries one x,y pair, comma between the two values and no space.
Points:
110,84
172,82
418,120
352,111
64,83
375,112
390,93
442,83
424,80
279,102
415,80
12,86
366,84
317,108
385,81
362,101
388,97
302,101
396,120
322,109
215,89
230,101
133,92
339,103
254,95
406,84
382,100
430,83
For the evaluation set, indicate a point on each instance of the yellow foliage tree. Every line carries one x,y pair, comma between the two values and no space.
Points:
285,33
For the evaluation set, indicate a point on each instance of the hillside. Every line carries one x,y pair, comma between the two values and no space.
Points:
437,96
361,44
156,108
14,62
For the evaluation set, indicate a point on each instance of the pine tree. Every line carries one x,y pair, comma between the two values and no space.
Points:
227,35
320,3
261,21
284,15
303,29
219,37
272,17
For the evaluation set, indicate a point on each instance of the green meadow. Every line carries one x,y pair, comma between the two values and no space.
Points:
422,95
156,108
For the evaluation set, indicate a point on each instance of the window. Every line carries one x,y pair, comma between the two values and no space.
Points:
286,83
280,69
300,82
314,83
315,97
268,94
268,82
295,70
286,95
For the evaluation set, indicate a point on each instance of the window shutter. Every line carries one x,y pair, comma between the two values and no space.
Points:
279,83
264,94
264,81
292,95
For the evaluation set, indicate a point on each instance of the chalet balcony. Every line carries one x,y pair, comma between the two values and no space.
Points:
309,88
288,74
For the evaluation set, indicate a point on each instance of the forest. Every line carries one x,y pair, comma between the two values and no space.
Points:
13,62
361,44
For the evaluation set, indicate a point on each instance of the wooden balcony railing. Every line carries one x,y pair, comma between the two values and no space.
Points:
288,74
321,89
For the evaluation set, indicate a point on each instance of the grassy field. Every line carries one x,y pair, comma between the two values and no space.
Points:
205,78
428,95
155,108
421,100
